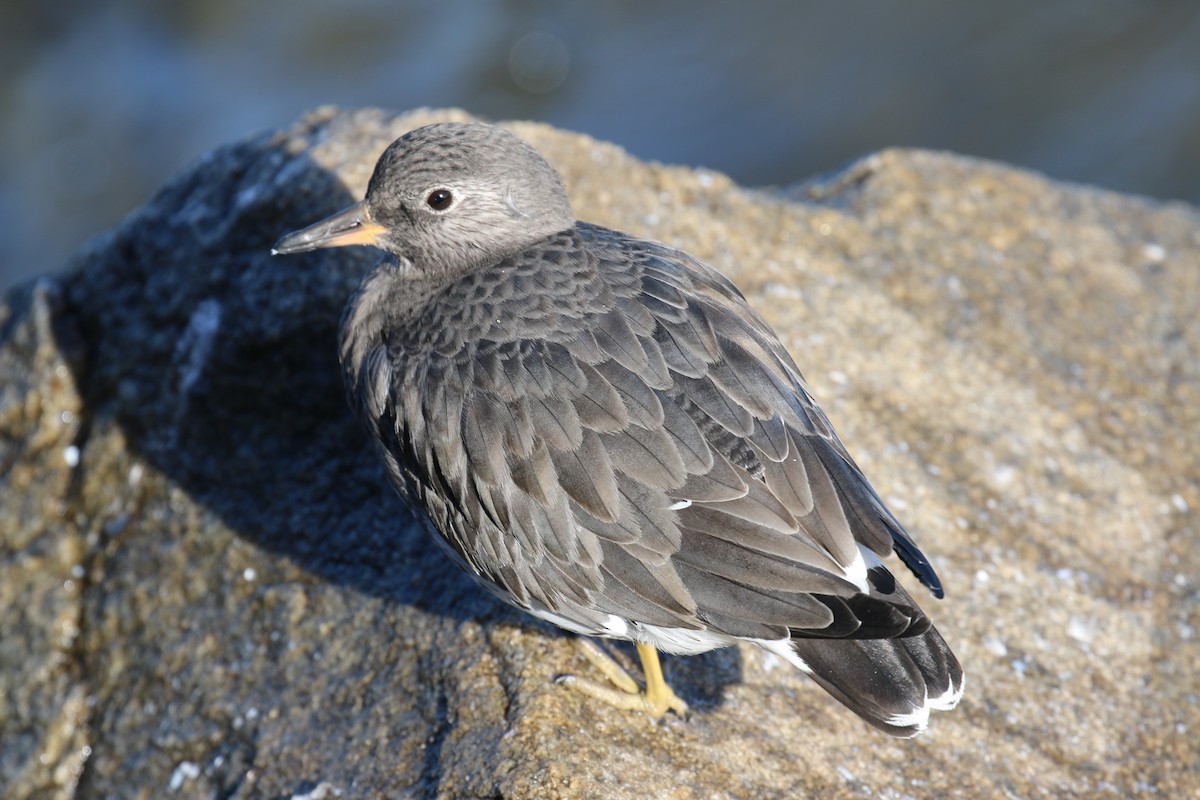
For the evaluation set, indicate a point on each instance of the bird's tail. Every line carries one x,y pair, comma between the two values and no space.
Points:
890,683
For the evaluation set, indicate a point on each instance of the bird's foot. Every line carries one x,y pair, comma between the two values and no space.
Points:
656,700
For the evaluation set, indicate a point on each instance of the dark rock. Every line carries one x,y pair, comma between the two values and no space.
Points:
208,589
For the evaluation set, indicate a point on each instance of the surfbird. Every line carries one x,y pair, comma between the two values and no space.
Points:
604,434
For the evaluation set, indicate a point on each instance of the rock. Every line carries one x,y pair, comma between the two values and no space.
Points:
209,590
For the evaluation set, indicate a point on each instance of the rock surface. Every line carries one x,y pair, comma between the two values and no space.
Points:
209,591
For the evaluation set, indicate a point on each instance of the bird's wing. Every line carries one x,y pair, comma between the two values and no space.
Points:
781,496
874,526
655,456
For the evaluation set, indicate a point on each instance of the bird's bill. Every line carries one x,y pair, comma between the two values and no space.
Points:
351,226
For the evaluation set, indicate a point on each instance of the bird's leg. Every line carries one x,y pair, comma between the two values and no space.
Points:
659,696
656,700
607,665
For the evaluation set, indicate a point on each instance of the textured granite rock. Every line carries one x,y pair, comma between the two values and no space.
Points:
209,591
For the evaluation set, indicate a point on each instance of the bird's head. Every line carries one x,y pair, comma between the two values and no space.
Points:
448,198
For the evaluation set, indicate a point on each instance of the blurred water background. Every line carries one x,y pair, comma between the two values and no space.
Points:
101,101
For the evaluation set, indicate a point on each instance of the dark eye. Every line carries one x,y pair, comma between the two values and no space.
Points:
439,199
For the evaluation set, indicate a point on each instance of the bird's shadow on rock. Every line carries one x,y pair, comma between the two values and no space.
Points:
219,363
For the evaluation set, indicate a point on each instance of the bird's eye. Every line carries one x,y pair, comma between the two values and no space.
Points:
439,199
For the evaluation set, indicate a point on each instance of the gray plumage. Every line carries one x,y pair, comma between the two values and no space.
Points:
605,434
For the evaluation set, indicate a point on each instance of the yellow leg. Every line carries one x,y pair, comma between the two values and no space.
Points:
660,698
656,700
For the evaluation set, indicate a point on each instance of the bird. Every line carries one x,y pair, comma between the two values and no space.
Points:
603,433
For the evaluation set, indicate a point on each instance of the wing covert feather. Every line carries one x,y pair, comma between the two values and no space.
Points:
656,456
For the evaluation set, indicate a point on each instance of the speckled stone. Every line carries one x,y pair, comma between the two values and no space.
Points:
208,589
